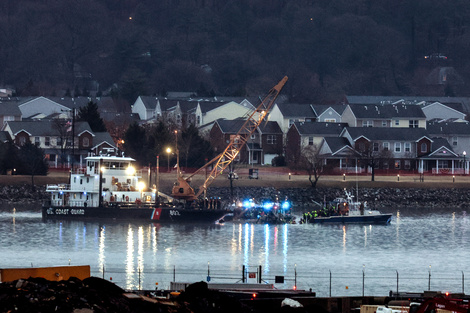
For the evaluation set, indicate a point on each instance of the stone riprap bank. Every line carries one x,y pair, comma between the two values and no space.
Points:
379,198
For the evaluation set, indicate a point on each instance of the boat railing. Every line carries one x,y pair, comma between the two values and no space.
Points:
57,187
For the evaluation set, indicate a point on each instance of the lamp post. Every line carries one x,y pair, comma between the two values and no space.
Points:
168,150
464,164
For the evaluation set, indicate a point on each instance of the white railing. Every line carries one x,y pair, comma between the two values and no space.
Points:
448,170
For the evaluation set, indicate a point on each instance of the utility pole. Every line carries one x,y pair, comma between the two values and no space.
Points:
73,137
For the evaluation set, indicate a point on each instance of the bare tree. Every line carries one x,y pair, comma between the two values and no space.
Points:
313,162
64,138
371,155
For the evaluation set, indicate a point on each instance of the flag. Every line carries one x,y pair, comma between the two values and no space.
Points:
69,126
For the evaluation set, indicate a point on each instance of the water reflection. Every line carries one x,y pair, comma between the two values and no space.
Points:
130,258
125,250
101,250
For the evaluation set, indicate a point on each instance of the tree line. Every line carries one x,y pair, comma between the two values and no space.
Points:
235,47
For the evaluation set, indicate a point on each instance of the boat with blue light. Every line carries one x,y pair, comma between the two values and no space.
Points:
263,211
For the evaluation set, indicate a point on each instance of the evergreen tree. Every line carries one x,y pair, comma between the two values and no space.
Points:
90,114
194,150
8,157
33,161
135,143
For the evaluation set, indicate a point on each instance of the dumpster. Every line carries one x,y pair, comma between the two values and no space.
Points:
253,173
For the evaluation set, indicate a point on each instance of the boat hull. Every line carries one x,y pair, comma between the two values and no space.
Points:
380,219
153,214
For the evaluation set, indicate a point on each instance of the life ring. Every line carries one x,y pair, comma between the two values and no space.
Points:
127,198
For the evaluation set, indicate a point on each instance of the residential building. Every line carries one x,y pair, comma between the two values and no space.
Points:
456,134
302,135
55,137
328,113
407,116
261,146
393,148
9,111
286,114
441,111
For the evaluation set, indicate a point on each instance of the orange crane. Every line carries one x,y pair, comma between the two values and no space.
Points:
182,189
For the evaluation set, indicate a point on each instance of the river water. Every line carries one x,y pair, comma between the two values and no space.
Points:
420,250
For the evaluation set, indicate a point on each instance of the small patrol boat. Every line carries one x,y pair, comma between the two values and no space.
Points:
347,211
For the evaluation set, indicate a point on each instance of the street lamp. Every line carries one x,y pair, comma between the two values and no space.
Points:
168,150
464,164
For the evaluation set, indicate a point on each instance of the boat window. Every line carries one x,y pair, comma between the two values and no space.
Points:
81,181
88,179
75,179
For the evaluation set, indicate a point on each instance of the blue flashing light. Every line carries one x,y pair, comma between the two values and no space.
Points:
247,203
285,205
268,205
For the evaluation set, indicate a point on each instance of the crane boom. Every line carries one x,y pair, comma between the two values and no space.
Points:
183,190
239,140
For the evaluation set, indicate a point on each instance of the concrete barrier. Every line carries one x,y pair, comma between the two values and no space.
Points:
49,273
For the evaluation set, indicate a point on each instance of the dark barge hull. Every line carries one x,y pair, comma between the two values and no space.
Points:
381,219
152,214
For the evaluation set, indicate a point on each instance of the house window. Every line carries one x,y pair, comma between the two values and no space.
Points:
47,141
330,120
271,140
86,142
310,141
367,124
385,165
198,120
407,147
397,164
454,141
22,141
384,123
414,123
386,146
292,121
424,147
397,147
375,146
59,141
252,136
407,164
397,122
36,141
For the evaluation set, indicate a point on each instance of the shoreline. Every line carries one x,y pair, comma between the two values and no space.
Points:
386,192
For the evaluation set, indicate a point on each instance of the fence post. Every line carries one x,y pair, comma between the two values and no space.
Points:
397,285
363,278
103,271
330,283
259,275
139,278
295,276
243,274
429,280
463,283
174,273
